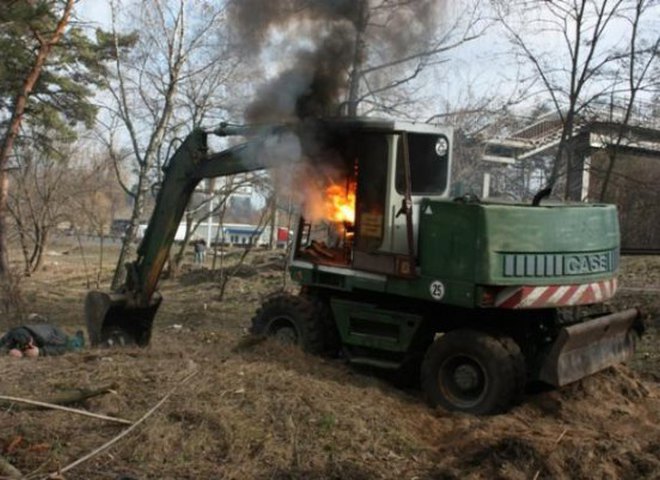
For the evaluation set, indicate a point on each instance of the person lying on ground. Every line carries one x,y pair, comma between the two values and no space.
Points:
37,340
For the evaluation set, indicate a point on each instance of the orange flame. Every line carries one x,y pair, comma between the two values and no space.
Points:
340,203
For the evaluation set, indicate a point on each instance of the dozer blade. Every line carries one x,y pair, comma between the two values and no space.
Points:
111,320
590,346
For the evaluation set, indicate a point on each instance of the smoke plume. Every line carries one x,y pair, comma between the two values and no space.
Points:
330,39
317,45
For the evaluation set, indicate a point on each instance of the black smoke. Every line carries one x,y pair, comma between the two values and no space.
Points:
333,37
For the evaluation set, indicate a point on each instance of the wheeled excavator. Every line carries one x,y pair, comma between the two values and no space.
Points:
475,298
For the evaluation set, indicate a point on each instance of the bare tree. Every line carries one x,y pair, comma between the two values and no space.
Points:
363,56
226,274
386,64
175,49
213,203
565,42
637,61
43,188
53,187
93,208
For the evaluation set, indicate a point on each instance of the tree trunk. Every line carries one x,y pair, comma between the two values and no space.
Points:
221,221
180,255
127,247
35,247
130,237
358,58
102,245
23,240
272,241
4,188
39,253
20,103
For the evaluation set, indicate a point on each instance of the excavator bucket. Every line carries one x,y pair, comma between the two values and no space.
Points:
591,346
112,320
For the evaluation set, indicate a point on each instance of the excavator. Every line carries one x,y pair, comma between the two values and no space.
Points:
477,299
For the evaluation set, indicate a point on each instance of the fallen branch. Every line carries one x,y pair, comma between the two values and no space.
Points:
114,440
81,394
77,395
65,409
8,470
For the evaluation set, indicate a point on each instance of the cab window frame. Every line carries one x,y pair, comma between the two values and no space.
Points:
419,171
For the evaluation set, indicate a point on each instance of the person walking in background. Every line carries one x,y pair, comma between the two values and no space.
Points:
200,251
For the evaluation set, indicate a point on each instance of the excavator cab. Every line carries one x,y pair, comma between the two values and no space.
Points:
366,216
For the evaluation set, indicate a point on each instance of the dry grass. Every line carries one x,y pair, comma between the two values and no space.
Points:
265,411
12,304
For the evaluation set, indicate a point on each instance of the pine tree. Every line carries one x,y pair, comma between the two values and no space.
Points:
49,71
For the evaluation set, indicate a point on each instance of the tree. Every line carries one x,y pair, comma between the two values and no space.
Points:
39,200
93,208
211,203
55,187
573,61
48,72
180,47
388,57
22,19
637,62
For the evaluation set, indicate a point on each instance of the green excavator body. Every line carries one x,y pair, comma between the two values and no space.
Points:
412,264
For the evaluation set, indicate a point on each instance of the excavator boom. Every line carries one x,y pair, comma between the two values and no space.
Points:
125,316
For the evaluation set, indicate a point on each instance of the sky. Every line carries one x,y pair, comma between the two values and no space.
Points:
95,11
480,68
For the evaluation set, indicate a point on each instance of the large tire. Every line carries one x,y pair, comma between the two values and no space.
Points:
473,372
292,320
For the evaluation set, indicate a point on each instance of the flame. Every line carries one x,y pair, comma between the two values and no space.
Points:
340,202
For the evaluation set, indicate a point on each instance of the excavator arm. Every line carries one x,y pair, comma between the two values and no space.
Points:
126,315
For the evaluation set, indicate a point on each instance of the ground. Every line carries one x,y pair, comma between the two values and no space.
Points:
264,411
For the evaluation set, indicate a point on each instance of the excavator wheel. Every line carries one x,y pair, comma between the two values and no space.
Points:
473,372
291,320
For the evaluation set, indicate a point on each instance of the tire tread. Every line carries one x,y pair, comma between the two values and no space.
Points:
302,311
500,353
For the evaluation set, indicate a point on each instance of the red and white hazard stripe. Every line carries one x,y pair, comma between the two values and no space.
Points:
556,295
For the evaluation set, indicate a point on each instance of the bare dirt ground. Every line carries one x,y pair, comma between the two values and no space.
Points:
259,410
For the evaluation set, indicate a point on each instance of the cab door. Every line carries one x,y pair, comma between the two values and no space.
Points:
395,173
428,161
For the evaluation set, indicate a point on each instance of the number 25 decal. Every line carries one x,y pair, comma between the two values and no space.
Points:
437,290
